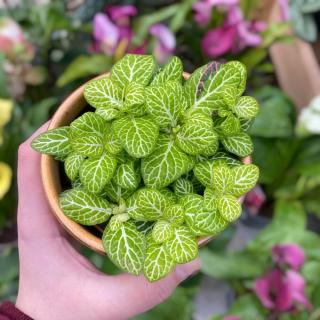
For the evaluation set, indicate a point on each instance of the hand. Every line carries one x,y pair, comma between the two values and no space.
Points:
56,281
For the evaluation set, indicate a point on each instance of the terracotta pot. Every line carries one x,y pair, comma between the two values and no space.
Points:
64,115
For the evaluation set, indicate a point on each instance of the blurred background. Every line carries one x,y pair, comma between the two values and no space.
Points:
48,48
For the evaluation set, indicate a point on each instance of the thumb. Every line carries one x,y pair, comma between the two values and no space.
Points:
152,293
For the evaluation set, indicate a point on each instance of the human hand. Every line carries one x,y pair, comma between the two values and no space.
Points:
56,281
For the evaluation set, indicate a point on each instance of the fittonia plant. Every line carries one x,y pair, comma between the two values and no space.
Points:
157,160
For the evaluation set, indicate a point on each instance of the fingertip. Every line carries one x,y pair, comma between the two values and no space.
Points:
184,271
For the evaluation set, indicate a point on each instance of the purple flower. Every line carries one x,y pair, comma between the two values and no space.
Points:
219,41
203,9
281,291
288,254
235,35
231,318
166,41
284,9
254,200
121,14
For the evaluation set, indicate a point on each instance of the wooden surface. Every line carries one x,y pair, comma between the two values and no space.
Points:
297,68
67,112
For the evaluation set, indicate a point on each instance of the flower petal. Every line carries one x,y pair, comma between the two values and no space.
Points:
289,254
118,13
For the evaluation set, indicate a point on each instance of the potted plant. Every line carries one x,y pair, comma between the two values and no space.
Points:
156,166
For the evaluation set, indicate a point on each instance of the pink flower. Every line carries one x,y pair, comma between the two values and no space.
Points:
219,41
166,41
203,9
231,318
281,291
112,31
254,200
288,254
235,35
284,9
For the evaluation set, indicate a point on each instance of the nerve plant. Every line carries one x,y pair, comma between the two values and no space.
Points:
157,163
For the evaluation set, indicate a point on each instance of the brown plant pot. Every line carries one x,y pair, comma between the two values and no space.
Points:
64,115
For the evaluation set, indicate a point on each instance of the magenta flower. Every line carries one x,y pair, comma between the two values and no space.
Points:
203,9
112,30
254,200
288,254
235,35
281,291
166,41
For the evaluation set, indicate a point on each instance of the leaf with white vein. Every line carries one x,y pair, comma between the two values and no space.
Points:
126,176
95,173
230,95
162,231
204,171
144,227
230,125
240,67
195,136
246,108
183,186
88,145
210,199
239,144
112,143
134,96
108,113
115,192
133,68
158,262
221,178
84,208
164,103
183,247
103,93
211,150
172,71
244,178
175,214
72,165
166,163
229,207
229,159
138,136
125,247
54,142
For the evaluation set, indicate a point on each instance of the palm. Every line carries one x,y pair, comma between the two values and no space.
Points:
56,281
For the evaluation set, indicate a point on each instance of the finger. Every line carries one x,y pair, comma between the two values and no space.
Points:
138,295
34,215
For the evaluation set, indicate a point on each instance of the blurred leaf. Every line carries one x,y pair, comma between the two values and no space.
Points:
9,265
84,66
276,32
253,57
179,18
177,307
310,6
311,272
230,265
275,119
3,85
248,307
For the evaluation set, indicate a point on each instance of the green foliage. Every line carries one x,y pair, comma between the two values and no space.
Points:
137,163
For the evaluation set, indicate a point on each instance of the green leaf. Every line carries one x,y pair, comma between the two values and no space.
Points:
244,178
72,165
240,67
230,95
88,123
201,221
103,93
145,227
133,67
157,263
126,176
239,144
84,208
229,207
191,86
203,171
246,108
162,231
183,247
134,99
112,143
54,142
125,247
183,186
210,199
196,134
115,192
211,97
230,125
169,195
138,136
166,163
84,66
233,265
229,159
107,113
149,203
95,173
164,103
172,71
211,150
175,214
221,178
89,145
